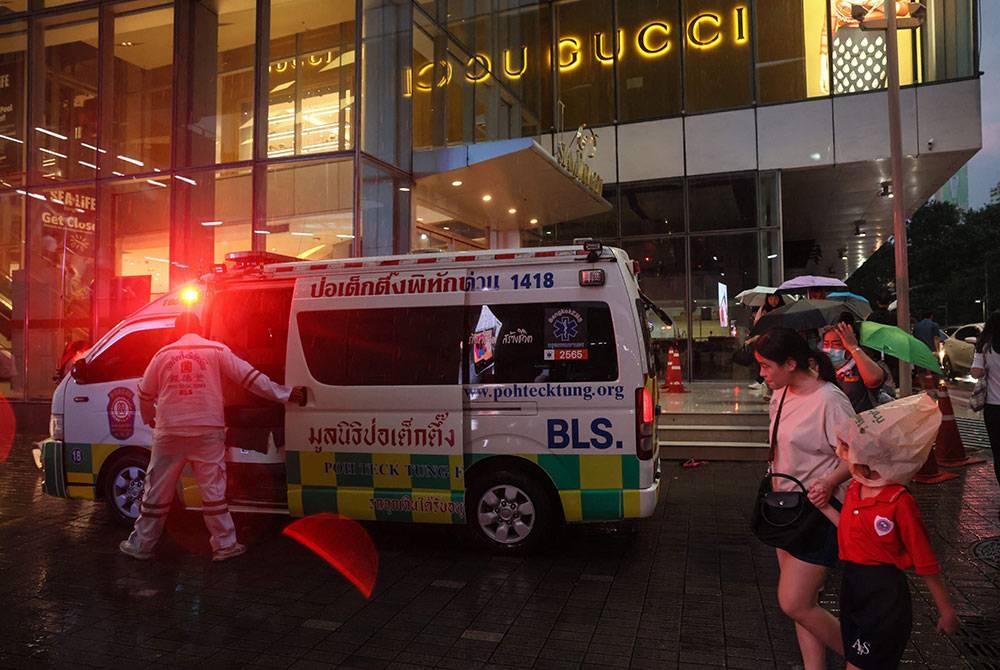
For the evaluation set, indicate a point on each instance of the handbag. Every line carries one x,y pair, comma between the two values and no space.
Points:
786,519
977,400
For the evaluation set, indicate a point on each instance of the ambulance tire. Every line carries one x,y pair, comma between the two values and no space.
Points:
124,481
510,512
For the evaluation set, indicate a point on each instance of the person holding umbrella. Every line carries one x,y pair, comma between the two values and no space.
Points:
859,376
986,363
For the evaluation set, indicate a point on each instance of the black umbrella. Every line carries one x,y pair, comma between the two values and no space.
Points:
807,314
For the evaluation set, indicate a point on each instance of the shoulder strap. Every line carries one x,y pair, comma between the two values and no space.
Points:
774,431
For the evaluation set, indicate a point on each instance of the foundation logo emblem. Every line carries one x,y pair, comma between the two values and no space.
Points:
121,412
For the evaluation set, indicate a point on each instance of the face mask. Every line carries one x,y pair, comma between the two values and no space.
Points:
837,356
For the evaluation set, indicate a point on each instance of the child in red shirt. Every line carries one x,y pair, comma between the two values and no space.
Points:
880,534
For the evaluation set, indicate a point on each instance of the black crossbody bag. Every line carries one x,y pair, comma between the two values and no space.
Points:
786,519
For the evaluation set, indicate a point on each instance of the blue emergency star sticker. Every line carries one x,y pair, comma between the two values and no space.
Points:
565,328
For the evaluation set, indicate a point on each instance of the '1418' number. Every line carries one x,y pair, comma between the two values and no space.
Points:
536,280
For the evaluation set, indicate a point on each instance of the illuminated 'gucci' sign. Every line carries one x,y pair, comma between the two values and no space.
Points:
653,40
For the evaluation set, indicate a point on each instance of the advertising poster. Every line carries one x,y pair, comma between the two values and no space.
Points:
723,306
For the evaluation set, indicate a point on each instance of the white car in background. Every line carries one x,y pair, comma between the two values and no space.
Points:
957,350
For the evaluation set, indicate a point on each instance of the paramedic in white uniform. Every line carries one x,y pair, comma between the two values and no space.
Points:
181,398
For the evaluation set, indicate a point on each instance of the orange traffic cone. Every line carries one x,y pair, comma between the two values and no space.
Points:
927,380
675,383
948,447
930,474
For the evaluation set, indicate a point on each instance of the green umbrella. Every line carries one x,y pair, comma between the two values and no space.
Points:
897,342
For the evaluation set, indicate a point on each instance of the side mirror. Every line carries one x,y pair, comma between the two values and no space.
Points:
79,371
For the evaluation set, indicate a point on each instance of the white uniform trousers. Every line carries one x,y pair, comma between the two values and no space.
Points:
207,455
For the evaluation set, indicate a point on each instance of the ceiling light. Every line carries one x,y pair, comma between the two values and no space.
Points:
420,219
457,182
772,256
445,227
857,229
533,221
211,223
404,189
512,211
262,232
487,197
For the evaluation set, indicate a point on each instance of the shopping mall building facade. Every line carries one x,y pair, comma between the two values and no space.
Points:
721,142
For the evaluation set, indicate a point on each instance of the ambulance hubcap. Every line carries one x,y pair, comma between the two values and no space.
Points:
506,514
128,490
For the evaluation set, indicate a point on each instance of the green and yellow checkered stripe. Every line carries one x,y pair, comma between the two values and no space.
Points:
390,486
384,487
78,463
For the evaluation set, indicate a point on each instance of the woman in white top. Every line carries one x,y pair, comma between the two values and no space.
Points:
987,362
811,405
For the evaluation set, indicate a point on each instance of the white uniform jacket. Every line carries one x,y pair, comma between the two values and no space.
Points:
184,382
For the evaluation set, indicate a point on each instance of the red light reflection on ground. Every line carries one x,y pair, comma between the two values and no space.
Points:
341,542
8,427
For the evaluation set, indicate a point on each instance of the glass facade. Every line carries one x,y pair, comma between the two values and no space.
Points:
142,140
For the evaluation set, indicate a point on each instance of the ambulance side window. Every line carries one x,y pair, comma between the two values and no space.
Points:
404,346
128,357
541,342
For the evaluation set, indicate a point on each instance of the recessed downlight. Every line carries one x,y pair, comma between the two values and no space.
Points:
512,210
487,197
457,182
533,221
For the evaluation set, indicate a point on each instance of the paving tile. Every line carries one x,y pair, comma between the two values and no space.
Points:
690,589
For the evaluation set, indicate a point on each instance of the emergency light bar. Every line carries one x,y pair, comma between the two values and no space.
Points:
246,259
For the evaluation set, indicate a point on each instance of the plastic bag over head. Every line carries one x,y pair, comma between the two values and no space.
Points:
890,443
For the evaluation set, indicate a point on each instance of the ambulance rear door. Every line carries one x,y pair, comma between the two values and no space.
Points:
381,351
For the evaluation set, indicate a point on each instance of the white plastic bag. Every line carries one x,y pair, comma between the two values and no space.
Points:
889,444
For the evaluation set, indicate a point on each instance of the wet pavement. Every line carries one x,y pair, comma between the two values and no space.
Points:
687,588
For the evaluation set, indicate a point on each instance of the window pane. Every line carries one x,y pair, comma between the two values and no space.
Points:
717,55
62,225
220,86
859,56
310,77
142,91
383,347
310,210
948,38
12,104
64,144
217,207
788,35
662,266
584,53
541,342
11,301
652,208
721,259
649,72
137,226
722,202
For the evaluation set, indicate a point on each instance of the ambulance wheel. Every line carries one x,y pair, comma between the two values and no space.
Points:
124,482
510,512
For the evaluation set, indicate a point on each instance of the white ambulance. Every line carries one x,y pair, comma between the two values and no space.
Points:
507,390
